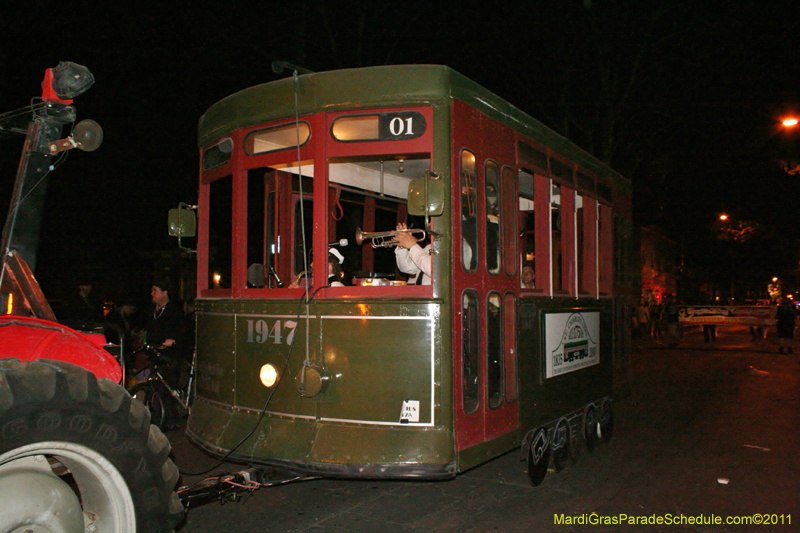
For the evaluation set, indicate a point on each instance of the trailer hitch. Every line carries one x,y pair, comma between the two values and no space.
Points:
237,486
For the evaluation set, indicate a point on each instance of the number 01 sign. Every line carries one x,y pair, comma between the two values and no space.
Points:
391,126
400,126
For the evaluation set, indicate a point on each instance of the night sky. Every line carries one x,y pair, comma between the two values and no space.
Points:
681,96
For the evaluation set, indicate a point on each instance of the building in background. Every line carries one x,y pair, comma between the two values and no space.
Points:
659,259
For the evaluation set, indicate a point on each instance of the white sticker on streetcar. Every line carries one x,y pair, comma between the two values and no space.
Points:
409,412
572,342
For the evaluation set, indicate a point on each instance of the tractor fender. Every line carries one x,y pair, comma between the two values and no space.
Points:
29,339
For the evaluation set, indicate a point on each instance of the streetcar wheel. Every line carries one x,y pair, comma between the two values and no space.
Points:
76,454
561,444
538,457
590,427
575,446
147,394
606,421
183,412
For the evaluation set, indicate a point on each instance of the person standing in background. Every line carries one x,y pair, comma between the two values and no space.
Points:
786,321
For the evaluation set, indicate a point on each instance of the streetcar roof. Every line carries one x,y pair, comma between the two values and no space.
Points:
380,86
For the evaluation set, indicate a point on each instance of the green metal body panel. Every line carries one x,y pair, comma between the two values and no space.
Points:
545,400
376,355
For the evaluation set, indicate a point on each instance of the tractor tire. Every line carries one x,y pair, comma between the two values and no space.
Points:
77,454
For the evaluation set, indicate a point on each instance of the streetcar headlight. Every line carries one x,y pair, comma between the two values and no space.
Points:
268,375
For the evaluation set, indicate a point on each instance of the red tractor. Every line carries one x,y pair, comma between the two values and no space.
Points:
77,453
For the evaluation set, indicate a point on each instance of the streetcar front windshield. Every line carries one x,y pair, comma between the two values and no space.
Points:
366,197
369,195
332,185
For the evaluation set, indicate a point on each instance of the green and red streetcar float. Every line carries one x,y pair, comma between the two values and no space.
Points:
382,378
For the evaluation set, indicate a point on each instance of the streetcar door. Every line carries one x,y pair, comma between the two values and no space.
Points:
484,279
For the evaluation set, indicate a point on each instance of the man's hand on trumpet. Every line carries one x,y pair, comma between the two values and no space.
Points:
405,238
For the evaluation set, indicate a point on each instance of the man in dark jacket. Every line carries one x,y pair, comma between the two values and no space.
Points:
165,327
166,333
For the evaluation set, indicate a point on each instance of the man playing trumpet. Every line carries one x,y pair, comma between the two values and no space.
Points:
411,258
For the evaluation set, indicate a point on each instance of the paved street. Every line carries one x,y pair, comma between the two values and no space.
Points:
698,415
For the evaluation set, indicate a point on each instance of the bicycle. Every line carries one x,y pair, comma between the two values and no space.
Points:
156,392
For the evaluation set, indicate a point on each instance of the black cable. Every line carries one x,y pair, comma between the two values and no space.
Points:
269,398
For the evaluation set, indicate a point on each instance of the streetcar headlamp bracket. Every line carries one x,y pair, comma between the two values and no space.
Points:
312,380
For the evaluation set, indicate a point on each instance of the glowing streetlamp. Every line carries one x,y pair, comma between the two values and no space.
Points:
790,124
774,289
724,229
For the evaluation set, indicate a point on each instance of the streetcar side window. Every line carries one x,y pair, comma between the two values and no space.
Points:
220,241
605,232
494,351
257,192
218,155
277,138
509,215
568,255
586,220
527,225
470,351
469,211
303,235
492,194
274,244
555,238
580,241
348,210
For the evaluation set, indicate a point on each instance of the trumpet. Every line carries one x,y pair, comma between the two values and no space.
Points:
385,239
300,276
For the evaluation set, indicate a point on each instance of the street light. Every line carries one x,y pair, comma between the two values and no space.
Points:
724,228
788,158
774,289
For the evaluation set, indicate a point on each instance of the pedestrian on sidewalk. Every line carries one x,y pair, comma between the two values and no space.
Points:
672,318
656,320
786,321
642,319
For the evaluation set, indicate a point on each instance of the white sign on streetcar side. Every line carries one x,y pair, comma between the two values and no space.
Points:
572,342
409,412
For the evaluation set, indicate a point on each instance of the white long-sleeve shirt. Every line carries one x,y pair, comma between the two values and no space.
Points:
414,261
